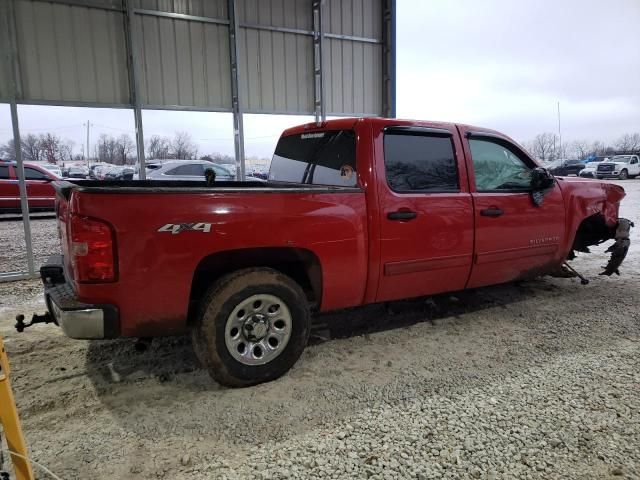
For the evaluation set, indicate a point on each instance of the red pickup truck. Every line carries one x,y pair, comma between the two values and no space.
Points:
355,211
40,192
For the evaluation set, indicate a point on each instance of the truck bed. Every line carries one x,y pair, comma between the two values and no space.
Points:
158,266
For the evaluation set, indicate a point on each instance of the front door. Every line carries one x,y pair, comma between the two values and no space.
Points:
426,214
515,238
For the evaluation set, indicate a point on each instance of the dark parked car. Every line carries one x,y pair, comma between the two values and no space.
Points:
117,172
564,168
77,171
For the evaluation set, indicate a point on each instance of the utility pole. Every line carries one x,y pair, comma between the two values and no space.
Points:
88,125
559,131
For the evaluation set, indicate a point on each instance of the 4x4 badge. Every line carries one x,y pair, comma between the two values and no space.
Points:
176,228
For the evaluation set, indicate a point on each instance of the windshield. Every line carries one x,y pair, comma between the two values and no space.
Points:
621,158
319,158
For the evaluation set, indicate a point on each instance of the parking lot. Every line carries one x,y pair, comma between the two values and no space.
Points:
537,379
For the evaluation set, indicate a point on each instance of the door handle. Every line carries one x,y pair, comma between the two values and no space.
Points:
491,212
402,215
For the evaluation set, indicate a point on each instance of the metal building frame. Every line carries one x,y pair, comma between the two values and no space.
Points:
127,8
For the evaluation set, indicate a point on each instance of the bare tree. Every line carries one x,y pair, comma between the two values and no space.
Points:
32,147
579,149
182,146
125,148
107,148
8,150
50,144
543,146
158,147
66,151
628,143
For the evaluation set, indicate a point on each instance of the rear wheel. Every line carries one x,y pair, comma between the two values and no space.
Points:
624,174
254,325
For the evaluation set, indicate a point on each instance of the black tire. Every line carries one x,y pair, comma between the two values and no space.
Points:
219,302
624,174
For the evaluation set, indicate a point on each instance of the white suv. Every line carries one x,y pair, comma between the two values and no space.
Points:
619,166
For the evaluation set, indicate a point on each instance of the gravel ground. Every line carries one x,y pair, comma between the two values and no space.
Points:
537,379
13,255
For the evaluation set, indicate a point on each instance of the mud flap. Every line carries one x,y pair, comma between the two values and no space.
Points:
620,248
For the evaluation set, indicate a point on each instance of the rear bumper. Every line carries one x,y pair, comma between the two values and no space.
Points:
77,319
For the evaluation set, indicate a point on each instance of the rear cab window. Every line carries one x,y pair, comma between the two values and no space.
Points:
317,158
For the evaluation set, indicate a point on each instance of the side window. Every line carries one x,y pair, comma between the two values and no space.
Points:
420,163
191,169
634,160
33,174
497,168
4,172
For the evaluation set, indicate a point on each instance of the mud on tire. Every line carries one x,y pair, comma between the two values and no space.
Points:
220,317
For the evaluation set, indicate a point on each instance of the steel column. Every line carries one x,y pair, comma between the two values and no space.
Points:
238,126
16,89
318,84
389,58
134,88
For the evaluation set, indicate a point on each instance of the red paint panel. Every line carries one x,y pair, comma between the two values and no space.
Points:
546,252
156,269
413,266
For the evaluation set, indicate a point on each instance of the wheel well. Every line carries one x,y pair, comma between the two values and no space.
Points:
593,230
301,265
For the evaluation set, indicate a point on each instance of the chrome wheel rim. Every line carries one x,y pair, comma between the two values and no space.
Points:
258,329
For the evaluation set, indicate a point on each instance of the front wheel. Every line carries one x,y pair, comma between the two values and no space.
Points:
253,326
623,175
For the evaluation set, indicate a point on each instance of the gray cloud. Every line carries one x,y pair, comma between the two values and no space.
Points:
505,64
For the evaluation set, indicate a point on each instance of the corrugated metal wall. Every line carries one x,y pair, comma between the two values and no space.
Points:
71,53
200,8
75,54
182,62
353,69
277,67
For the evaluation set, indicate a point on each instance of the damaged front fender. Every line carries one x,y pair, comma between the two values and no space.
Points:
592,213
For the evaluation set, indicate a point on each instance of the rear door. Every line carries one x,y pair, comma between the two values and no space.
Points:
9,193
426,214
514,237
40,192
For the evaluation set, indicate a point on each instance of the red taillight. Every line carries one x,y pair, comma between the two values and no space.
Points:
91,248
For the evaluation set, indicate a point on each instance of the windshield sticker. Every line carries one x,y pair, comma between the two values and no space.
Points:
306,136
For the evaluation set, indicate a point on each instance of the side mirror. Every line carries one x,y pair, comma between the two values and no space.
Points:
541,179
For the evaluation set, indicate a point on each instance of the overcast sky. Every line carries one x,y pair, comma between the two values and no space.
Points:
496,63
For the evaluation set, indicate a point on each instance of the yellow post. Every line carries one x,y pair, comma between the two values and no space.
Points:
11,422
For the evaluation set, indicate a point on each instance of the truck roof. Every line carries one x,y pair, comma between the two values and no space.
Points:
350,122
